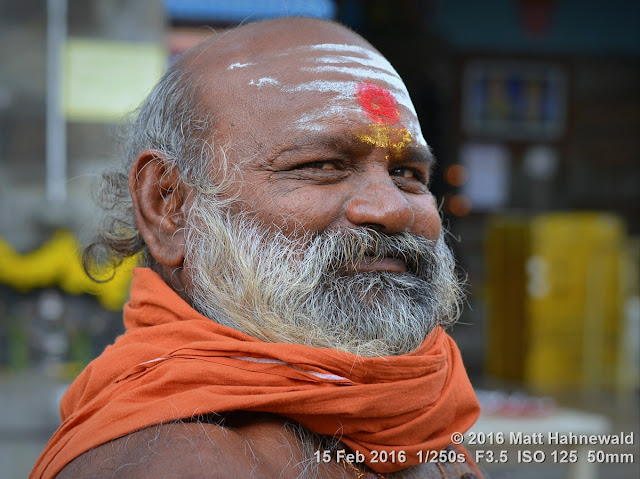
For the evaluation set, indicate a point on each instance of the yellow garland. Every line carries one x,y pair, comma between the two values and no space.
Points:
58,263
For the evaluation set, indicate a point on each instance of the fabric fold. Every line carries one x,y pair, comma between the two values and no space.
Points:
173,363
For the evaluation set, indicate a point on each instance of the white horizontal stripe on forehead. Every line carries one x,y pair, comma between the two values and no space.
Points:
239,65
365,62
264,81
313,119
338,47
364,74
374,59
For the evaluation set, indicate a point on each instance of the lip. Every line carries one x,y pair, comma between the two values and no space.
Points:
391,265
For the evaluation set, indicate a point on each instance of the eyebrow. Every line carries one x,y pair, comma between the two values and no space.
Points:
348,140
419,154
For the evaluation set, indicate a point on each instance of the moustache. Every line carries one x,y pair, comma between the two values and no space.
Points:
347,248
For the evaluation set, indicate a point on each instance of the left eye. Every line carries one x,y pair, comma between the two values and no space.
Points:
409,173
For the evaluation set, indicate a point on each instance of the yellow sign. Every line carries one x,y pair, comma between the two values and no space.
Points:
104,80
57,263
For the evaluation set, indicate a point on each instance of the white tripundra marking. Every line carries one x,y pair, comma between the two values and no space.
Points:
314,121
239,65
264,81
375,63
371,58
364,73
369,65
344,89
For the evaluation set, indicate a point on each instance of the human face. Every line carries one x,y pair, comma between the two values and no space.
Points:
327,139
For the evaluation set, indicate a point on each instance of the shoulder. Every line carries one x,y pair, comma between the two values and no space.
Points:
257,446
192,449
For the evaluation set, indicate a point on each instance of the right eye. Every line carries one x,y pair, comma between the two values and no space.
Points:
320,165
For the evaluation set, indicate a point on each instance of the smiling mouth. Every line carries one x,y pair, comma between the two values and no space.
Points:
386,263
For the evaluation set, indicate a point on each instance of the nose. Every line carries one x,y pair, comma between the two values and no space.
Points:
381,205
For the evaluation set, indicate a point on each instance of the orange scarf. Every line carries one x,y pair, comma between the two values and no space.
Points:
173,363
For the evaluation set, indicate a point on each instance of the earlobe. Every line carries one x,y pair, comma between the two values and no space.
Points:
159,205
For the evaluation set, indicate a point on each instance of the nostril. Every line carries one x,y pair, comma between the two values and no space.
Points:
378,228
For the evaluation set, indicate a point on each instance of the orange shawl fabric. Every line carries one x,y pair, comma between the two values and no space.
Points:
173,363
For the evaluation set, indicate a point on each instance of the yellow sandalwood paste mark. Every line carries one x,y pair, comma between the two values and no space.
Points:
393,139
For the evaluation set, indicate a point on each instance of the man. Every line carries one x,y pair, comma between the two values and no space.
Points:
289,323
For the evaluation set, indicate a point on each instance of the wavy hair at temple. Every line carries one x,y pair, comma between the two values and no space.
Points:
177,126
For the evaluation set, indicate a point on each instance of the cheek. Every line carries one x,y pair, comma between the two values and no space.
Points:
427,221
293,211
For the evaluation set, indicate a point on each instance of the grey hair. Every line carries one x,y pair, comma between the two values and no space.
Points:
174,123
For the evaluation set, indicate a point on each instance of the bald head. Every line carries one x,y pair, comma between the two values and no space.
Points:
293,75
256,41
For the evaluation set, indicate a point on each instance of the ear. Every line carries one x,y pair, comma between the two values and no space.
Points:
159,205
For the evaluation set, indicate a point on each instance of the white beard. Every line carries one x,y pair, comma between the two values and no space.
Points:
300,291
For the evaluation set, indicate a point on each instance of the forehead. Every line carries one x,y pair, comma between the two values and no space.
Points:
327,67
314,87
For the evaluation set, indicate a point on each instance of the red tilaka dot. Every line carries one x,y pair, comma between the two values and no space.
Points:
378,103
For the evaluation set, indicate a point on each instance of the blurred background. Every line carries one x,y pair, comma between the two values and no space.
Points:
532,108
